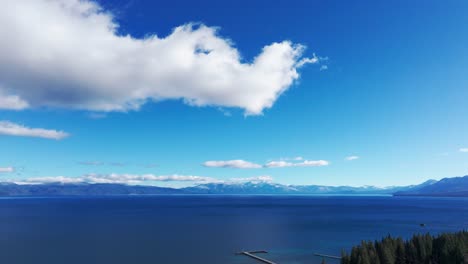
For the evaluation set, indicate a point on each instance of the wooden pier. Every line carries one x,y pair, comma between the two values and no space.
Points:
326,256
251,254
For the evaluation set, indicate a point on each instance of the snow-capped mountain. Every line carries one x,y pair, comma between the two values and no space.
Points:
275,188
445,187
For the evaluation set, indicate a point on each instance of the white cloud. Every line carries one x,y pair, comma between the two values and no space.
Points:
238,164
117,178
305,61
242,164
6,169
57,179
349,158
67,53
11,102
13,129
136,179
294,158
463,150
278,164
323,67
313,163
305,163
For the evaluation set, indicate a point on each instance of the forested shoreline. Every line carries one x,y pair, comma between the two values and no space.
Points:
446,248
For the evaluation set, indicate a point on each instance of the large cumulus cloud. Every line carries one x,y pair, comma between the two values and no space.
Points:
68,54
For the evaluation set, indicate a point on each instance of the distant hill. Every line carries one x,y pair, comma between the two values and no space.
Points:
241,188
457,186
277,189
445,187
58,189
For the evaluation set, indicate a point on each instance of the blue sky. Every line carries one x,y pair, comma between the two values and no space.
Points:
383,81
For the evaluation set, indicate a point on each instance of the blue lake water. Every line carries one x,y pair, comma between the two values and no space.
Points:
210,229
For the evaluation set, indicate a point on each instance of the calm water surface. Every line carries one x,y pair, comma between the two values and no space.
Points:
209,229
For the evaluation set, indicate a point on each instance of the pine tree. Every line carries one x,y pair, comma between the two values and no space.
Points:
420,249
400,253
345,258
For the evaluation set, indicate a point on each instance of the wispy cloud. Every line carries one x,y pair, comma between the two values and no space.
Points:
278,164
134,179
305,61
200,66
297,158
137,179
101,163
91,163
12,129
349,158
463,149
54,179
282,163
305,163
238,164
7,169
117,164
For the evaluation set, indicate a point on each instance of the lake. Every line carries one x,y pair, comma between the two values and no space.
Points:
210,229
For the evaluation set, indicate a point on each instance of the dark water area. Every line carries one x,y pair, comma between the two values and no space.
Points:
210,229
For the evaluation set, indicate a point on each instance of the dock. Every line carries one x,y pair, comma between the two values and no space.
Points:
326,256
251,254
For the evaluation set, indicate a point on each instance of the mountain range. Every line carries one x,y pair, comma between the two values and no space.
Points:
457,186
